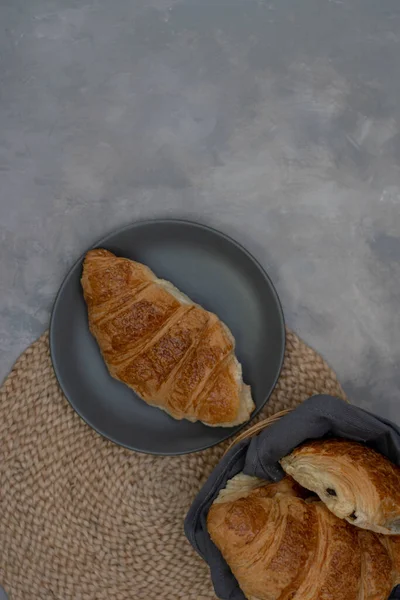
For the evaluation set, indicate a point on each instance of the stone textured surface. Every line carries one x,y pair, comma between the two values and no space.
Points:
276,121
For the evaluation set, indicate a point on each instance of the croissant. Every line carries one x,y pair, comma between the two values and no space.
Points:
355,482
281,545
170,351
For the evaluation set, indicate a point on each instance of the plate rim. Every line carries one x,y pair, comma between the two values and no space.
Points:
164,221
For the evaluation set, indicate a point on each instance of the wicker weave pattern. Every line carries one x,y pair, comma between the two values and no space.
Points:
83,519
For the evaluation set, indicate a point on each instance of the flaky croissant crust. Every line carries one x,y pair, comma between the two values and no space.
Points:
355,482
170,351
283,545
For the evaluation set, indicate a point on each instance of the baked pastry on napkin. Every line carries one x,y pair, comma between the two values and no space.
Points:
281,545
355,482
318,417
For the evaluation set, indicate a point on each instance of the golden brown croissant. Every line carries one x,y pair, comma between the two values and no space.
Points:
281,546
355,482
170,351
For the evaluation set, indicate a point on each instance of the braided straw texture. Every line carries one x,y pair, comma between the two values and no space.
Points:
83,519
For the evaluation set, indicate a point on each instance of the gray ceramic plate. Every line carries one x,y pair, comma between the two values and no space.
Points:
214,271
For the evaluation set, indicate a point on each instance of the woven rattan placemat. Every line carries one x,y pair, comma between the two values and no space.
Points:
83,519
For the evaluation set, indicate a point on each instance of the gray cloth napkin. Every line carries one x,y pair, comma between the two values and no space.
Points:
317,417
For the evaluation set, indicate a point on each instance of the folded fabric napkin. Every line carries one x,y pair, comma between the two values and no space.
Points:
317,417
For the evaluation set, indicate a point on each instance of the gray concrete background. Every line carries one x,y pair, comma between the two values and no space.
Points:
276,121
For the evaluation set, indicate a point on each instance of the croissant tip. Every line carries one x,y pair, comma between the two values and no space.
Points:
98,253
